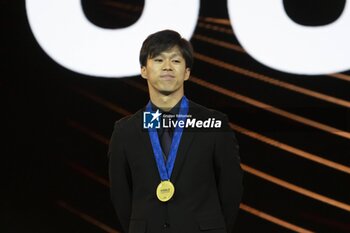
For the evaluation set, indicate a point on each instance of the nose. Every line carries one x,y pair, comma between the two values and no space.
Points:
167,65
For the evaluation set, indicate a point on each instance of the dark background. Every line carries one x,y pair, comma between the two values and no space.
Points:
55,127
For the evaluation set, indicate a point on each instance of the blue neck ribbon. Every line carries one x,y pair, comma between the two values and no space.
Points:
165,168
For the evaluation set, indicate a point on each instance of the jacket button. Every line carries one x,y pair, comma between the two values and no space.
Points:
166,225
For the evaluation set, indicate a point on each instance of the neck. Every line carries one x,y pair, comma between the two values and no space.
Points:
165,102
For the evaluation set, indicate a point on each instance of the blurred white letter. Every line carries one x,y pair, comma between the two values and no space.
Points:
272,38
64,33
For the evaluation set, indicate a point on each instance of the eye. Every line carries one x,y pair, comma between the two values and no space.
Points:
157,59
176,61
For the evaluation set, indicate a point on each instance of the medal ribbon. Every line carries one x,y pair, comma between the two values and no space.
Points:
165,170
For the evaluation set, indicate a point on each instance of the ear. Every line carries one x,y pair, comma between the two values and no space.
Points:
187,73
144,72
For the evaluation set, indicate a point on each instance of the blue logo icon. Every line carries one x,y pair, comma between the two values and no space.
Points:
151,120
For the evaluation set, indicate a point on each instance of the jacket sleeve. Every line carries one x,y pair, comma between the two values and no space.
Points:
228,173
120,178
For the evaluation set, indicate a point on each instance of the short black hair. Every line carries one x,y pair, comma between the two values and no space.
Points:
164,40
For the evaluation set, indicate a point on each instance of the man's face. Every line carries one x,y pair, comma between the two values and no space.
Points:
166,72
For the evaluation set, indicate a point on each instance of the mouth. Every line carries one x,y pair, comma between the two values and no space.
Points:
167,77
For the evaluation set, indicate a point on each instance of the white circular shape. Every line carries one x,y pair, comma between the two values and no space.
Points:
64,33
267,33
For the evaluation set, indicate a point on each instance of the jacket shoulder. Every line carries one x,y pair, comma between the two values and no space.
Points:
128,120
205,111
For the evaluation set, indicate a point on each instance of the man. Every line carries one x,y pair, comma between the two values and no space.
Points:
193,181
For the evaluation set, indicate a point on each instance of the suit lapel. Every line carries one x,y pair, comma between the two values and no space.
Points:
144,137
181,155
186,140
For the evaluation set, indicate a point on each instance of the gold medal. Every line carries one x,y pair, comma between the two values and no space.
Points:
165,191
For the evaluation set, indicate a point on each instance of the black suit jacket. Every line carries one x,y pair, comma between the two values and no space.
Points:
207,177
